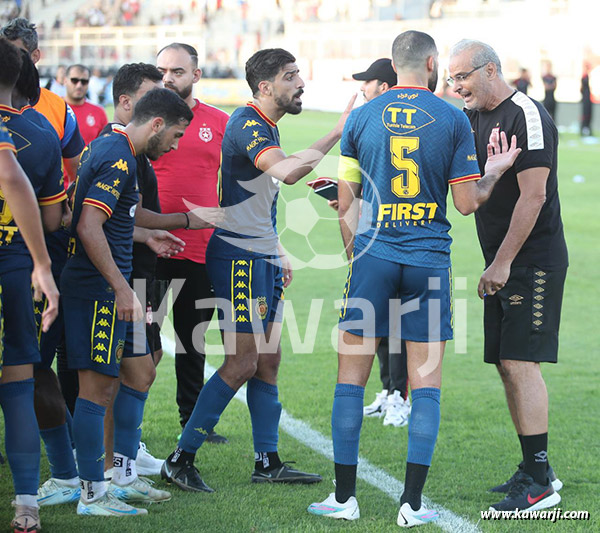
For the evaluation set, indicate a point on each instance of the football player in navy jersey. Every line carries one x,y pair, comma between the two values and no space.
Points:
100,305
249,271
521,235
406,149
39,158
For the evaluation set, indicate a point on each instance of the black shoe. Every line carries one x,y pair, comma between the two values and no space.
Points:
284,474
185,476
557,484
215,438
526,494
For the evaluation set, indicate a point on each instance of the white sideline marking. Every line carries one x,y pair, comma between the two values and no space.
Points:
373,475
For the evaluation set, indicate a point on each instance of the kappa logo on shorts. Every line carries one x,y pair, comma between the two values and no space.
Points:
515,299
102,324
261,307
241,290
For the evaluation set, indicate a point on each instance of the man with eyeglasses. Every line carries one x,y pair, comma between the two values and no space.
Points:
91,118
521,236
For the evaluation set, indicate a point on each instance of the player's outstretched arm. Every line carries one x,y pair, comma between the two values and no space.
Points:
89,229
195,218
468,196
18,193
290,169
161,242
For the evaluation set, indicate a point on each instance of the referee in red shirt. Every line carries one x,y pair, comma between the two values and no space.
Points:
190,173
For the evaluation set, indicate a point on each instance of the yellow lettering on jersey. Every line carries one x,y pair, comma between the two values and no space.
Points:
109,188
121,165
250,123
472,157
406,211
255,143
6,234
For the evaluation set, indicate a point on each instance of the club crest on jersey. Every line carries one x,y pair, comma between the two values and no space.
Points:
205,134
119,350
90,120
261,307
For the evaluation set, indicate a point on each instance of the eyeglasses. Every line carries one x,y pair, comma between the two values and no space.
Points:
462,77
83,81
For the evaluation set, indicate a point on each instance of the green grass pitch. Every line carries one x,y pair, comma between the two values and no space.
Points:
477,447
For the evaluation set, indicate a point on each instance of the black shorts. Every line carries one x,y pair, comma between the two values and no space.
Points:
521,321
154,296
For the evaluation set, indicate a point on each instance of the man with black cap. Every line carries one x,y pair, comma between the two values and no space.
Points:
378,78
392,402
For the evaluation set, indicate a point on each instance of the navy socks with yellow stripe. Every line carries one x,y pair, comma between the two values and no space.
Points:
88,432
21,435
212,400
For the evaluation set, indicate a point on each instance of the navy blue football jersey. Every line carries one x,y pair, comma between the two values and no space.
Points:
38,153
106,180
410,146
248,194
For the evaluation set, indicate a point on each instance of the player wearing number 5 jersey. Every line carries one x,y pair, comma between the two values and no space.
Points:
405,148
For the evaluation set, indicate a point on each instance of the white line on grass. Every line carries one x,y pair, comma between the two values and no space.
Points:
373,475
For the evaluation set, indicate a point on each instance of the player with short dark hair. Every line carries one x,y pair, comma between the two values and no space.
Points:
99,303
38,153
249,271
521,235
413,147
135,80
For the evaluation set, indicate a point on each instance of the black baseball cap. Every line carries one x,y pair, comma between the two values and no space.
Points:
380,70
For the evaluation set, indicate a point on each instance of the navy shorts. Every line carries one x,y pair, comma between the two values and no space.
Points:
20,336
96,339
375,290
253,290
521,321
49,340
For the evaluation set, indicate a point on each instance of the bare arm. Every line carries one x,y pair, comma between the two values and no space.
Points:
161,242
198,218
18,193
96,246
468,196
52,217
348,212
532,185
290,169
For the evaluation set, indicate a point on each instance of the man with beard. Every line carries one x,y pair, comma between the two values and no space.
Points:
249,271
100,306
91,118
413,147
189,175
